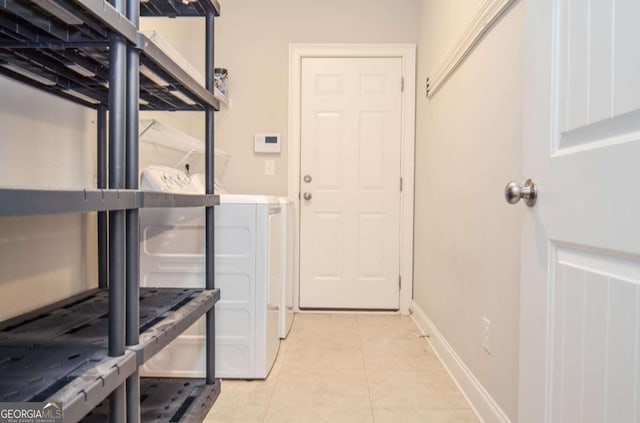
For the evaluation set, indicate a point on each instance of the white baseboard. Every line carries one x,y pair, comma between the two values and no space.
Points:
485,407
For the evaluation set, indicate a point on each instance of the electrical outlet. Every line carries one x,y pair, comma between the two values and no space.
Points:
486,335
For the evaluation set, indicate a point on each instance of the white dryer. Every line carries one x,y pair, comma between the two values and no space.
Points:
248,272
288,272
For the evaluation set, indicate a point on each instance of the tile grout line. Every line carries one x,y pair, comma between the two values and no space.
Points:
277,377
366,331
364,363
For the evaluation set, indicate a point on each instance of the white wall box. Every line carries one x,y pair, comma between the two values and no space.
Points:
91,53
266,143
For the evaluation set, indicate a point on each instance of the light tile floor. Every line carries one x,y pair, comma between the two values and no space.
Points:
348,368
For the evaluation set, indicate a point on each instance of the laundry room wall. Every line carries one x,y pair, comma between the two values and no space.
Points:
46,142
49,142
467,238
252,42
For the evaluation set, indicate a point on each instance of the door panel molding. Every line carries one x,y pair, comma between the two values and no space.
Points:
407,53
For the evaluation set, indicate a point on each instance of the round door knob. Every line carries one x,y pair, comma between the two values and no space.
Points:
513,192
307,196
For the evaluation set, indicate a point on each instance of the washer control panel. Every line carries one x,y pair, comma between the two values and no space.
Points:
167,179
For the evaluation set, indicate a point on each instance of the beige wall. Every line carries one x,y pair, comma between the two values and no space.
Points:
48,142
252,41
468,147
467,239
45,143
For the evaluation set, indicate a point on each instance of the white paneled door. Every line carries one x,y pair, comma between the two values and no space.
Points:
350,183
580,290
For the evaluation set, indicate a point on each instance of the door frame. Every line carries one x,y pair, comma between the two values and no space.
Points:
407,53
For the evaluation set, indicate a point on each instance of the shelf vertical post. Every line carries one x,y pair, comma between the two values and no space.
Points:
103,234
117,221
210,211
133,241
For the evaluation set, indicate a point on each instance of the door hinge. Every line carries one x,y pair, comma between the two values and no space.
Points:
402,84
400,282
401,183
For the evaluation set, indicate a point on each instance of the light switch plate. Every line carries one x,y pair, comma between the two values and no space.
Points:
269,167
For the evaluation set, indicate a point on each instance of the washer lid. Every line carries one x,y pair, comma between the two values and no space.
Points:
285,201
248,199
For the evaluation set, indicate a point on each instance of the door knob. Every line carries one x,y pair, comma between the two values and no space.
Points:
307,196
307,178
513,192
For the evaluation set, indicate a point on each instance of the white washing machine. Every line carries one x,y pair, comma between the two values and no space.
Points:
288,274
248,249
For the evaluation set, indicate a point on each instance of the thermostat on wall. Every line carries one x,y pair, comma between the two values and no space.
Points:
267,143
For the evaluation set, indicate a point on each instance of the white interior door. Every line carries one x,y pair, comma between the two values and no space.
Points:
350,173
580,296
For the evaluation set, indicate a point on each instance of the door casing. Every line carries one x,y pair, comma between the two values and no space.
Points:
407,53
